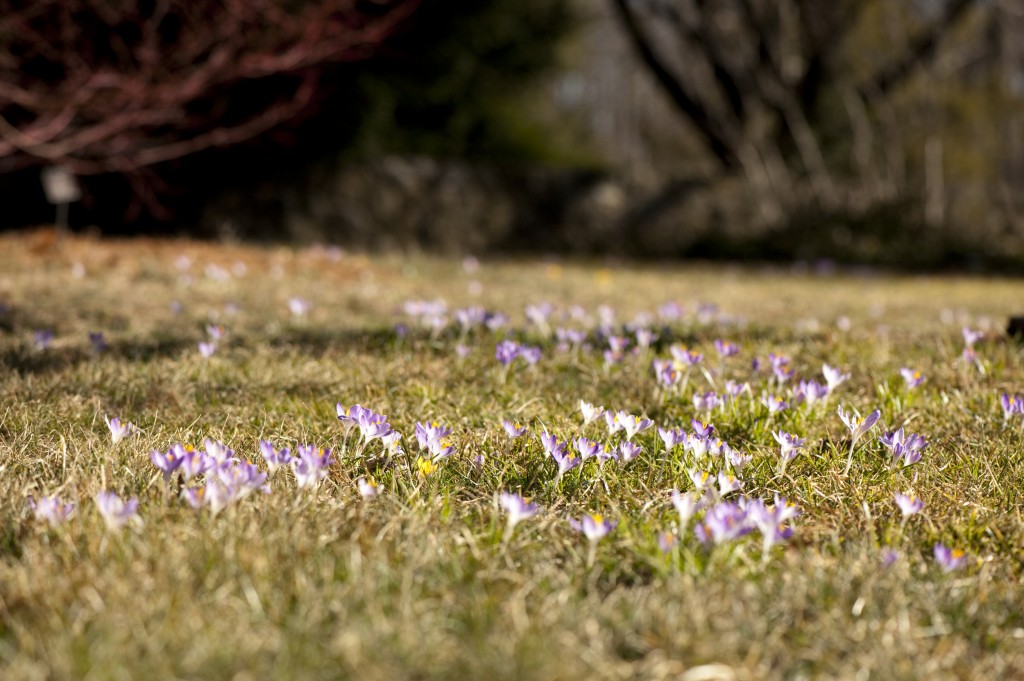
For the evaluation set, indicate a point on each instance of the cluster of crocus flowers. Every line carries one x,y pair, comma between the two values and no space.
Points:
557,451
507,351
372,426
435,439
727,521
628,423
906,448
215,477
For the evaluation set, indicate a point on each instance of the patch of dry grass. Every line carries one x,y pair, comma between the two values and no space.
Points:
420,582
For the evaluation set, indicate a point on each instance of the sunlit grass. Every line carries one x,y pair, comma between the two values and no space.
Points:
425,580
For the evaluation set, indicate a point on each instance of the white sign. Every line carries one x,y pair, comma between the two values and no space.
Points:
60,186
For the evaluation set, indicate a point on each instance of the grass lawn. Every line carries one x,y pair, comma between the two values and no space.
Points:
805,571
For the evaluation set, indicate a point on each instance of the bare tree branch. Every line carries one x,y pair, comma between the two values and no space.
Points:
921,49
712,135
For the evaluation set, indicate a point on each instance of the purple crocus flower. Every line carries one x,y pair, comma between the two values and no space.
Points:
215,332
506,351
858,426
310,466
724,522
737,460
632,424
702,429
971,336
618,344
671,438
299,307
351,416
645,338
667,541
909,504
593,526
218,451
116,512
774,403
670,311
780,367
530,353
728,484
904,447
590,412
430,435
98,342
889,556
612,421
1013,405
686,505
725,348
495,321
119,430
275,458
373,426
811,392
514,430
242,478
517,507
368,487
570,338
42,339
215,494
586,448
167,462
538,314
708,401
734,389
770,521
666,372
911,378
191,462
51,509
700,479
550,442
627,451
685,356
833,377
791,444
566,462
207,349
949,559
470,317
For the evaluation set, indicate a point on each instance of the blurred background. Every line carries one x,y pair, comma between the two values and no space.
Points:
883,132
